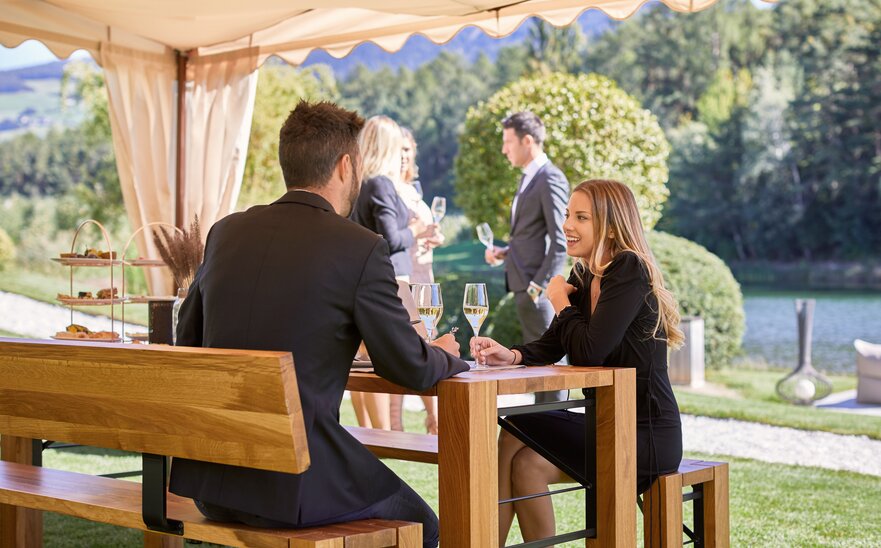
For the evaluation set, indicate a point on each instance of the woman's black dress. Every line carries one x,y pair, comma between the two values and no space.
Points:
617,334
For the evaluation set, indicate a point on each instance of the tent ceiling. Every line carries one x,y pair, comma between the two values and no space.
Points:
289,28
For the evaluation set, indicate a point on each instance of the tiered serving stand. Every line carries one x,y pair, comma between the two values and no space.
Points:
77,262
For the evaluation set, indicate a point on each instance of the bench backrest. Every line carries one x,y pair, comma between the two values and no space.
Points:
237,407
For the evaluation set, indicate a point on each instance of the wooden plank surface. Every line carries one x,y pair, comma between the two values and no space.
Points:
227,406
390,444
616,461
118,502
18,526
468,460
716,519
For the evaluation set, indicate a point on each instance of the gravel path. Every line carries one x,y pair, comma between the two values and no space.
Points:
31,318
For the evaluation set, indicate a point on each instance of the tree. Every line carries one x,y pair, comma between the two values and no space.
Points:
595,130
553,49
667,60
279,88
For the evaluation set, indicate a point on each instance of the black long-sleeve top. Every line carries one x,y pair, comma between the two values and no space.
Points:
619,333
380,209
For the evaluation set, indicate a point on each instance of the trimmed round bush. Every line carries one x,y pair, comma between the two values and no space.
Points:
7,249
595,130
704,286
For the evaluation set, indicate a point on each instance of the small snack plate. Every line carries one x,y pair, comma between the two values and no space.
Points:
136,299
73,337
138,336
84,261
145,262
89,302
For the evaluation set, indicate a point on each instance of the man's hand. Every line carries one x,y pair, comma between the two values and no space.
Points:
488,352
447,343
495,256
558,292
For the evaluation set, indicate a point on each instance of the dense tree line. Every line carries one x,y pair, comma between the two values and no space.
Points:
773,117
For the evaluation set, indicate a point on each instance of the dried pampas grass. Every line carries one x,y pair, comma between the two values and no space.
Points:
182,251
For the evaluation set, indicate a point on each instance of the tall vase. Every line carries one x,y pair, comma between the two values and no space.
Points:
175,311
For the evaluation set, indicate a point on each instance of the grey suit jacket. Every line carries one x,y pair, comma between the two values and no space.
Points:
537,248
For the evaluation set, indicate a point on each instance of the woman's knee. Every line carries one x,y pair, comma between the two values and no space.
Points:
529,468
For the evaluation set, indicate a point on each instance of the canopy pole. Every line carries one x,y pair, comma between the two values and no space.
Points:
180,154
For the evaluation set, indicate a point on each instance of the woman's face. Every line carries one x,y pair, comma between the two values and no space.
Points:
407,154
578,226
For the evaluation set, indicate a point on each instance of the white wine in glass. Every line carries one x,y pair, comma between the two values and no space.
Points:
485,235
429,304
475,305
438,208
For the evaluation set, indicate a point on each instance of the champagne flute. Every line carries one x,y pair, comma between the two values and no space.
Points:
485,235
475,305
429,304
438,208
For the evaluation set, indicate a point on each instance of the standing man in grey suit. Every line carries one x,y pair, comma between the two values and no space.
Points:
537,250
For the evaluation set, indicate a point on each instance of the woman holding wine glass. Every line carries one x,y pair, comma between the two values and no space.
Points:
614,311
380,209
421,258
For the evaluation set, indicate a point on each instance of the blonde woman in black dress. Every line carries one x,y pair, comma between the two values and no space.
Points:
615,311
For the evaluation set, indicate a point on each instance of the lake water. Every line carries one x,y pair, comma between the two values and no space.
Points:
839,318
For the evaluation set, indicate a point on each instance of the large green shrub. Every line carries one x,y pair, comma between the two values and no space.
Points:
594,130
7,249
704,286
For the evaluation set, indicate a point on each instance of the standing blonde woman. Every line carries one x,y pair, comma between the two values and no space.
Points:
421,258
380,209
614,311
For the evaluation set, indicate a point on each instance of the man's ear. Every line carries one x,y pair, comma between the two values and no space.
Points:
344,167
528,140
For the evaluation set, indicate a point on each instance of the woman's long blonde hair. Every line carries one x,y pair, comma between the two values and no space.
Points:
381,143
617,228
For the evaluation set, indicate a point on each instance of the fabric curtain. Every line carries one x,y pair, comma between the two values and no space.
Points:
140,90
220,104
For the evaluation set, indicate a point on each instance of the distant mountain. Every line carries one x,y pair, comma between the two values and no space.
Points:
419,50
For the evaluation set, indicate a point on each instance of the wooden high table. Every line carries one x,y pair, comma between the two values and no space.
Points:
468,451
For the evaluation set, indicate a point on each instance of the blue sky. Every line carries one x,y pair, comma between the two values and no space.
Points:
29,53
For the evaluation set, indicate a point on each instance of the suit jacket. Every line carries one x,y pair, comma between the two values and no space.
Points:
380,209
295,276
537,247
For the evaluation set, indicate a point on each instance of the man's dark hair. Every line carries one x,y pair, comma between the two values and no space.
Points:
313,139
526,123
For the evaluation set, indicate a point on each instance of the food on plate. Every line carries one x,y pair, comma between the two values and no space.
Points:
108,293
90,253
84,295
76,331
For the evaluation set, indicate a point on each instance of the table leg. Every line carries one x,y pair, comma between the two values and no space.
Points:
19,527
468,464
616,461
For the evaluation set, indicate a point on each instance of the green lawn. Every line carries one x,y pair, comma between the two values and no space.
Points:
771,504
753,399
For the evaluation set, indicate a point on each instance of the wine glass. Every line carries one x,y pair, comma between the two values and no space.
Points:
438,208
485,235
429,304
475,305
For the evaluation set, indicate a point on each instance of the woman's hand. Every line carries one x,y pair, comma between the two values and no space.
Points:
558,292
488,352
447,343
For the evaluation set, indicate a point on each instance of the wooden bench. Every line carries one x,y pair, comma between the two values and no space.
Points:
226,406
663,503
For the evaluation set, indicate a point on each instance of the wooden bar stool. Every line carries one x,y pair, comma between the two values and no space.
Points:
662,506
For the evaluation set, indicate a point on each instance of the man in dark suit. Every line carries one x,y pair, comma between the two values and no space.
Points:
537,249
297,275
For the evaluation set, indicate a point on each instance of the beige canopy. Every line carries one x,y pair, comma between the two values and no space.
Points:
216,46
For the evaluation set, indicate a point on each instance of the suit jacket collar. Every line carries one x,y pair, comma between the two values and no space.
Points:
307,198
526,191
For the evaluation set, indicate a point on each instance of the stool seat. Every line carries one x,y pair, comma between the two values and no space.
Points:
662,506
